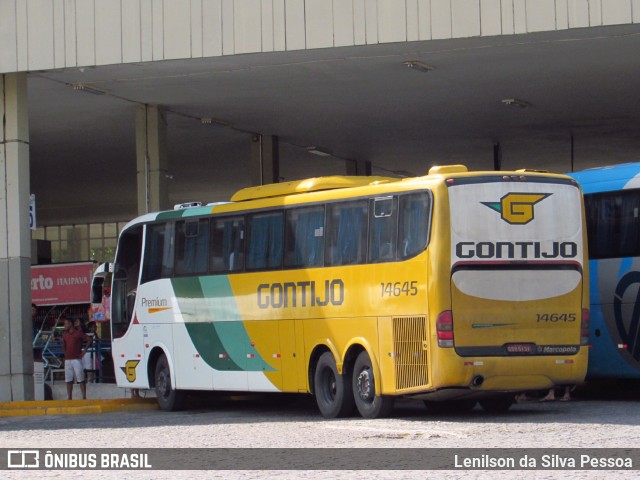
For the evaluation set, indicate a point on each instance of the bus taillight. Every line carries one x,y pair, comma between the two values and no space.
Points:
444,329
584,327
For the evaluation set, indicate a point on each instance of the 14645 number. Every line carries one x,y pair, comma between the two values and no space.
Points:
556,317
397,289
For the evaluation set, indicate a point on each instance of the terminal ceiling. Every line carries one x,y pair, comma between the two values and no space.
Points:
358,103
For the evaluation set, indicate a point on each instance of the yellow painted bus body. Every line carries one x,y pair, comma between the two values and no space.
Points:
504,337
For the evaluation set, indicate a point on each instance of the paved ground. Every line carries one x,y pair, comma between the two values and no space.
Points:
293,422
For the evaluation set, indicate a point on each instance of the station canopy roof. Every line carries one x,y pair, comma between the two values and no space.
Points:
531,93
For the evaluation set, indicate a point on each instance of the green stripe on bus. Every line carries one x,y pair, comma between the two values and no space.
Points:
214,324
170,215
208,344
184,213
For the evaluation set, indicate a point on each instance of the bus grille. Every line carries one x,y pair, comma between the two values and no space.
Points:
409,338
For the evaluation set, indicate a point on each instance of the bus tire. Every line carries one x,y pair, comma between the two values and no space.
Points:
496,404
368,403
169,399
332,390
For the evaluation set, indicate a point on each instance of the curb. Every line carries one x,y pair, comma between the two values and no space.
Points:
75,407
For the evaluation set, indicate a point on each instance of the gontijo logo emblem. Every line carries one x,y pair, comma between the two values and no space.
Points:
129,369
517,208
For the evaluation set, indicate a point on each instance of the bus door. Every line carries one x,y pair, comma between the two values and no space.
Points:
292,361
272,360
263,357
127,335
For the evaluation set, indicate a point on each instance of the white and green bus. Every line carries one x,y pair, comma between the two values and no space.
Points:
455,288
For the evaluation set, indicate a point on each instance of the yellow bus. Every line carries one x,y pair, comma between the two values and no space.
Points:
454,288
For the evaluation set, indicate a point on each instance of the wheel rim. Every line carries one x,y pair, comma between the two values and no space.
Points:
163,384
330,385
365,385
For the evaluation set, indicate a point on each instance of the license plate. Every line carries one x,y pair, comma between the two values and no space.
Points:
520,348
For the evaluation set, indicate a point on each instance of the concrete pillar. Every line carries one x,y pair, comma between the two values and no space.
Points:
358,167
16,331
152,162
265,160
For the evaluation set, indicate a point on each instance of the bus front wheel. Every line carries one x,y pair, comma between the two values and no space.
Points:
169,399
368,403
332,390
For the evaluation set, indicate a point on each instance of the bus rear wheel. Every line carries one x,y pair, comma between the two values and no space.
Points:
169,399
332,390
368,403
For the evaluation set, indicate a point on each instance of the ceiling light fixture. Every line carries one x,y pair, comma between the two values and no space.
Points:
318,151
213,121
419,66
85,87
515,102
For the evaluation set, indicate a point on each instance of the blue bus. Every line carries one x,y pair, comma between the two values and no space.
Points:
612,204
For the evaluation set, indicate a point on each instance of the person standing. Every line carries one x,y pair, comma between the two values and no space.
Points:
551,396
72,340
78,325
91,359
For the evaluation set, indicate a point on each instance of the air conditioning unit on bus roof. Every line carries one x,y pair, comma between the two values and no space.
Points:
180,206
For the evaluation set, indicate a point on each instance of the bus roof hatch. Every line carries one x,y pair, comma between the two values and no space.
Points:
446,169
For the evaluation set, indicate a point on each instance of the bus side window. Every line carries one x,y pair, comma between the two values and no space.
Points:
227,245
158,254
192,246
265,241
383,229
415,210
346,242
304,238
613,222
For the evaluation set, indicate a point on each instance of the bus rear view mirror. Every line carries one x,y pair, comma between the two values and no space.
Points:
96,290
